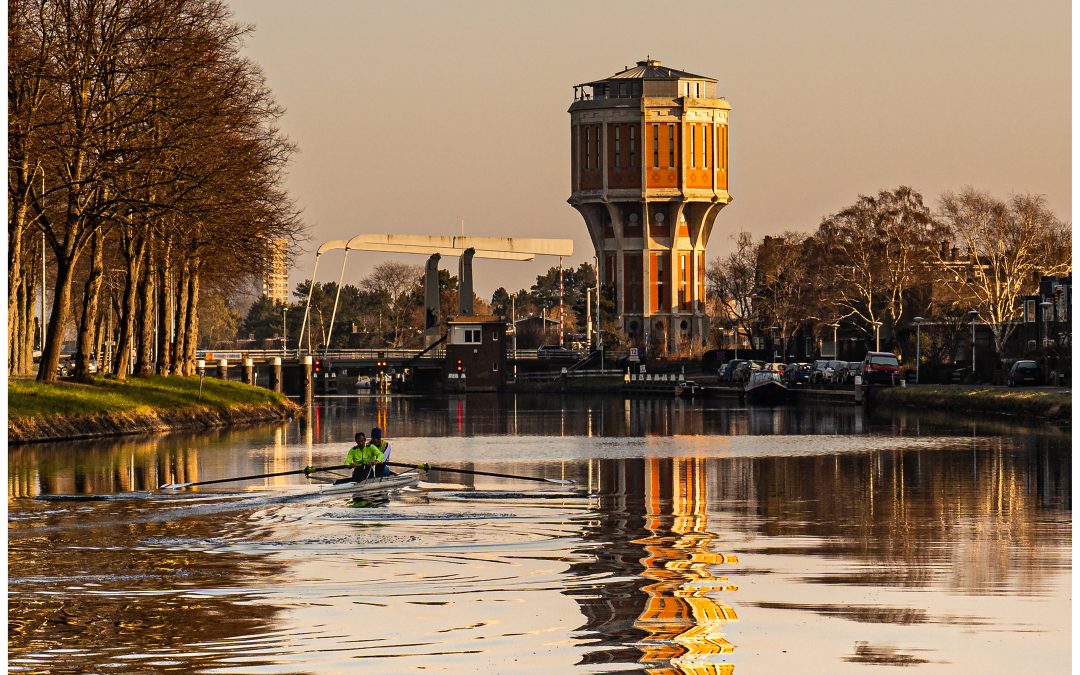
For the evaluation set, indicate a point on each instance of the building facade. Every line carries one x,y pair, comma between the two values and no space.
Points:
276,279
649,174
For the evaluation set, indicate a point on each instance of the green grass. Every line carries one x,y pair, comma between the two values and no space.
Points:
32,399
1019,401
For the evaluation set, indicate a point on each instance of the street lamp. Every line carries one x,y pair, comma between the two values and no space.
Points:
918,345
284,338
974,314
775,330
835,344
877,336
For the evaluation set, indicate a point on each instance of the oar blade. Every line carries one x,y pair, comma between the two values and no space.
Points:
560,481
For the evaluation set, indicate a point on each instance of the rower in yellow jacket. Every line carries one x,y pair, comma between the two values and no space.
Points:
361,456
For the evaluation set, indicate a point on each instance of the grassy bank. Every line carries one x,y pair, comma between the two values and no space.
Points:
107,407
1047,404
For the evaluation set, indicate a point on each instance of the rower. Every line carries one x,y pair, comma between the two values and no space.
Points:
384,448
361,456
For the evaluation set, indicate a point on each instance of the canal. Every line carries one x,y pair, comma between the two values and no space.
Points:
701,537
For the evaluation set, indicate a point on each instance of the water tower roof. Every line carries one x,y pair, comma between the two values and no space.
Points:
651,69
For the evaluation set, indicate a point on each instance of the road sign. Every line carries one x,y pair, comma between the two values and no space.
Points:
634,355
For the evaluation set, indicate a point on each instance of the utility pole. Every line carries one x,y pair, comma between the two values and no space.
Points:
562,341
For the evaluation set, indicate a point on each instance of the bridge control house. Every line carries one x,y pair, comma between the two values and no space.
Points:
476,353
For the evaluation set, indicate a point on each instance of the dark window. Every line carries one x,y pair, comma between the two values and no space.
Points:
618,146
693,146
656,146
588,144
671,145
598,128
633,145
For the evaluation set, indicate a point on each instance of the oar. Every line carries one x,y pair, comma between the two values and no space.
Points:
430,467
306,470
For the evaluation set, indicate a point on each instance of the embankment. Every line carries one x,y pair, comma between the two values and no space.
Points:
109,407
1054,405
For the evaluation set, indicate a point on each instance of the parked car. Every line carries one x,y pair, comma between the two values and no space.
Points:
67,367
817,371
1024,373
743,370
798,373
555,352
727,371
880,367
834,370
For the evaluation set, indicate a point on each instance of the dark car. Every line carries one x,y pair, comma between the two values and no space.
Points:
743,370
727,371
555,352
817,371
1024,373
799,373
880,367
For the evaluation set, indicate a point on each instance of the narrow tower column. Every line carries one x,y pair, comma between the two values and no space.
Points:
431,299
464,280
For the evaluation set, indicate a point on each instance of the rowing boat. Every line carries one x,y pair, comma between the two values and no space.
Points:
368,486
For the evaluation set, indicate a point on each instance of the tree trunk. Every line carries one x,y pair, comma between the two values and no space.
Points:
133,247
165,313
54,335
144,365
181,320
91,295
192,328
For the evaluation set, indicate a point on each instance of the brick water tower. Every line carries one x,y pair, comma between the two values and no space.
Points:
649,173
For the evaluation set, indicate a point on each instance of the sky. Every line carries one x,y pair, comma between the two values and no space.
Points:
412,117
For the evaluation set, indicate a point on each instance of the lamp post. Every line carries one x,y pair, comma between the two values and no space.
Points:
835,344
877,336
918,345
775,331
284,337
1046,305
974,314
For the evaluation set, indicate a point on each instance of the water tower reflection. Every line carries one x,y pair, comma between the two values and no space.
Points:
653,537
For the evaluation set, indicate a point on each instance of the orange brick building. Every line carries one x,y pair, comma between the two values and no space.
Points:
649,174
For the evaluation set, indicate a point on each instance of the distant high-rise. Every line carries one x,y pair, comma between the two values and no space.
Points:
649,174
276,279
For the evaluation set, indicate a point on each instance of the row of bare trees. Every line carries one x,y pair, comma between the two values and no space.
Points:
143,146
889,257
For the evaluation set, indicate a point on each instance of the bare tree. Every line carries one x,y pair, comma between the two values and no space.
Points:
732,283
398,283
1008,247
878,251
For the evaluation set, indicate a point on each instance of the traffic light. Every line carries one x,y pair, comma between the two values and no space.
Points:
316,365
459,369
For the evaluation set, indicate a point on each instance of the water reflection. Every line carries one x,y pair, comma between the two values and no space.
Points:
709,531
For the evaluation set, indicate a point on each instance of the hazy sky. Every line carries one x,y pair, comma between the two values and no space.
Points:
410,115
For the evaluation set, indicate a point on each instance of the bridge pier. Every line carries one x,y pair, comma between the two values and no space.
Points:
223,369
308,385
275,375
248,375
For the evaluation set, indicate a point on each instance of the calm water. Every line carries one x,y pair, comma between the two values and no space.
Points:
702,538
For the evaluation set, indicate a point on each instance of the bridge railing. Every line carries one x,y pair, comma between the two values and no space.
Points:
329,355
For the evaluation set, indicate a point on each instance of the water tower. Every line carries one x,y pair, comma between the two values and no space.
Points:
649,174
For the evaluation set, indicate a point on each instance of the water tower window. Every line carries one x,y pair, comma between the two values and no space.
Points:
697,90
656,146
633,145
671,146
618,146
598,128
693,146
588,144
622,90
